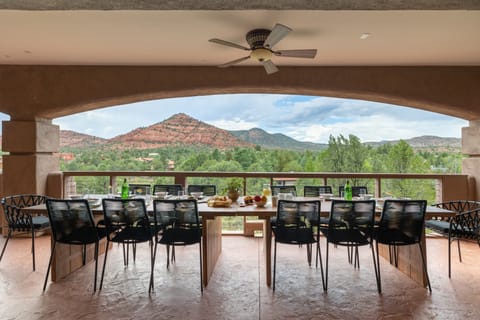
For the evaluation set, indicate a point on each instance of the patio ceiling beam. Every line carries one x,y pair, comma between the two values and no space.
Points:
36,92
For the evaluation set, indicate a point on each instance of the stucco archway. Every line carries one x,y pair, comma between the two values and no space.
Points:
34,95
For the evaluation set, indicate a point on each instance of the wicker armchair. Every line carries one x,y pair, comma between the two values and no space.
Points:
22,222
464,225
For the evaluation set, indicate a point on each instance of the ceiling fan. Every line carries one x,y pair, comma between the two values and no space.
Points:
261,42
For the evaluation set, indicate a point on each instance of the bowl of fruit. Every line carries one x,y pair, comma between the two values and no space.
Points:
260,201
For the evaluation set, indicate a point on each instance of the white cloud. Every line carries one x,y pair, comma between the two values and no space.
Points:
301,117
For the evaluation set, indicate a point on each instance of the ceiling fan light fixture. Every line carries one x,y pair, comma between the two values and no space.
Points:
261,54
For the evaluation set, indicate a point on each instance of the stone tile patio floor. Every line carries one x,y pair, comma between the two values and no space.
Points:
237,288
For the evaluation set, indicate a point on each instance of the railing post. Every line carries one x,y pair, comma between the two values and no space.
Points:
378,187
181,179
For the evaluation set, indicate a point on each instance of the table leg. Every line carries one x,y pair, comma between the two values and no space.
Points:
267,245
409,260
211,246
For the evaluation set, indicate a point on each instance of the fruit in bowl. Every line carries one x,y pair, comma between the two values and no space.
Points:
248,200
260,201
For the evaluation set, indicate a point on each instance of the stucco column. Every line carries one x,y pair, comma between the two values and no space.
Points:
471,149
31,146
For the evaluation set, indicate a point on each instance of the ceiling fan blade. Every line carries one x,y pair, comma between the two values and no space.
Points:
228,43
278,33
231,63
306,53
269,66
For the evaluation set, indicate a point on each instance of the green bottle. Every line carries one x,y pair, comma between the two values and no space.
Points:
347,191
125,189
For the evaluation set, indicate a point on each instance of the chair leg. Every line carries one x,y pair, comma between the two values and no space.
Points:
309,254
104,264
201,267
379,279
425,267
96,268
459,252
168,256
125,258
49,265
134,251
376,268
84,254
319,253
6,242
325,288
449,257
349,255
274,263
356,261
33,248
173,254
152,261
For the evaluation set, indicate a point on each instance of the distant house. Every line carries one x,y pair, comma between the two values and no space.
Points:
171,165
67,156
144,159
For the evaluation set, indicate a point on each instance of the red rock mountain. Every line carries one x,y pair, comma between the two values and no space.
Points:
74,139
180,129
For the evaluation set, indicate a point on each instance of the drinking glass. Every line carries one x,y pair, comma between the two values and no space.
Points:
362,194
181,194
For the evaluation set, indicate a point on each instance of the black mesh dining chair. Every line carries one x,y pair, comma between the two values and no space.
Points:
21,222
126,222
297,222
72,223
207,189
356,190
283,189
350,224
136,189
172,189
401,224
178,224
316,191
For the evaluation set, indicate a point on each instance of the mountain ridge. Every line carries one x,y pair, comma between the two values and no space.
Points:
183,130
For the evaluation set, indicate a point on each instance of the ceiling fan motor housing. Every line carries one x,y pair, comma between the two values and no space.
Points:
257,37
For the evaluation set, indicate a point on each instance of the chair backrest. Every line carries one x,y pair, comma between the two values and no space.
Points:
283,189
315,191
207,189
401,222
71,221
122,214
178,219
459,206
296,221
139,189
16,218
356,190
351,222
172,189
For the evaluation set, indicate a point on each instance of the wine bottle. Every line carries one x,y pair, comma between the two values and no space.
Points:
125,189
347,191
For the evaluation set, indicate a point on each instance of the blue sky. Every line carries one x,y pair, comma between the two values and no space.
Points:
305,118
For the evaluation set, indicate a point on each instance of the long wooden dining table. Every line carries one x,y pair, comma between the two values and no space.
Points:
409,260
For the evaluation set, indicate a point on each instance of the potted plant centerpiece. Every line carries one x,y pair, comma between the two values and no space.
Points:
233,188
